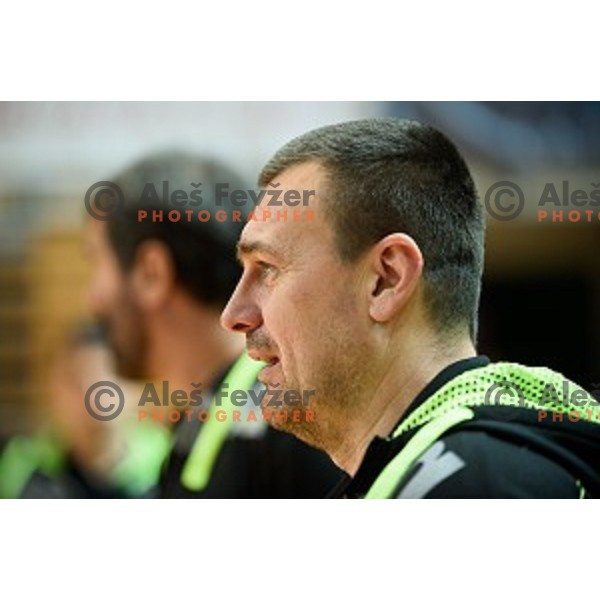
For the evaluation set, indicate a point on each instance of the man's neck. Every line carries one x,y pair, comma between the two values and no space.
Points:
400,385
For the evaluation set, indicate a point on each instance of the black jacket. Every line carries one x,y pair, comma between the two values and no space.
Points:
501,453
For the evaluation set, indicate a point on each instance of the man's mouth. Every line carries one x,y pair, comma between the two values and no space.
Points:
266,373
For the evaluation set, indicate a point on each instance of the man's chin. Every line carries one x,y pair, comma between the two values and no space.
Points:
303,431
281,421
283,417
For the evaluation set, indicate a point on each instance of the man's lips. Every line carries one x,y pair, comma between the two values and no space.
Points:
265,357
268,371
255,354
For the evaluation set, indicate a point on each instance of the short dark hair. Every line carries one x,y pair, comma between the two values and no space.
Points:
393,175
204,253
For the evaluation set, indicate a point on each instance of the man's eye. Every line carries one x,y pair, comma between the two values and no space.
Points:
265,268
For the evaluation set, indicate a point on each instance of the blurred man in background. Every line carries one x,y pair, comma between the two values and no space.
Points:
159,285
72,455
373,303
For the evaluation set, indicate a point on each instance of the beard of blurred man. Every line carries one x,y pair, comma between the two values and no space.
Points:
127,338
113,304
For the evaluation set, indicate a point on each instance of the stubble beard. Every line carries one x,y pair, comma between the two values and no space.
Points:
336,379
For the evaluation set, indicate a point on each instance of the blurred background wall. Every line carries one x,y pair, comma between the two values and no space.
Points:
541,298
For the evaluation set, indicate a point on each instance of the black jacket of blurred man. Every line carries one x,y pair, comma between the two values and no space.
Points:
370,298
162,239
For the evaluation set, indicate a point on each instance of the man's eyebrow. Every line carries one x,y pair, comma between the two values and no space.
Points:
246,248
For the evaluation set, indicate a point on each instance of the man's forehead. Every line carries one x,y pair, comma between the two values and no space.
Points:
94,232
309,175
266,237
280,227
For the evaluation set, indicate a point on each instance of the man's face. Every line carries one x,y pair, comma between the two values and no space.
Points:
111,299
300,306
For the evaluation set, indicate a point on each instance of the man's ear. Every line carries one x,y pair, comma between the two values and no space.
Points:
396,265
153,274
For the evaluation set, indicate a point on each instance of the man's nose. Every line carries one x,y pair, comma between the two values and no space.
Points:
241,314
